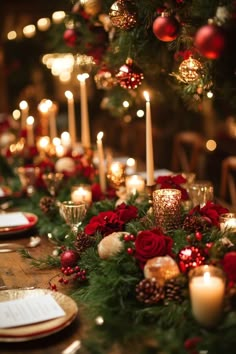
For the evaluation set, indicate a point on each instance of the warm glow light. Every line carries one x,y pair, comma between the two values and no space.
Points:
100,136
45,105
140,113
126,104
69,95
65,76
11,35
43,24
44,142
127,118
82,77
65,137
58,16
146,96
211,145
130,162
16,114
29,31
206,277
23,105
56,141
209,94
30,120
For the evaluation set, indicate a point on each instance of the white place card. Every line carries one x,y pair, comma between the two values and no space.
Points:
29,310
13,219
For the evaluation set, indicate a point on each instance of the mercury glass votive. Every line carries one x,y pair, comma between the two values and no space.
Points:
167,208
207,289
134,184
228,222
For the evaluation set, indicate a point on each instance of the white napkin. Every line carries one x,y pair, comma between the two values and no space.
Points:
13,219
29,310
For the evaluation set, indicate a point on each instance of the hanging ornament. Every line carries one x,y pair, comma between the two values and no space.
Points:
166,27
123,14
104,79
190,257
69,258
190,70
91,7
70,37
210,41
129,75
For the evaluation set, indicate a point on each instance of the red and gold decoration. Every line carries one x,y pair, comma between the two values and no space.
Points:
166,27
123,14
129,75
190,70
191,257
104,79
210,41
161,268
91,7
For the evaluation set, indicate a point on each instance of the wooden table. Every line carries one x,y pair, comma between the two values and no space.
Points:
15,272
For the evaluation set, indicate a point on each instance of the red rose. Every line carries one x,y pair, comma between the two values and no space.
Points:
229,265
191,345
210,211
126,212
150,244
105,222
175,183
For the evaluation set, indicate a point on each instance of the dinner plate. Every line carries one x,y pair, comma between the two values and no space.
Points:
42,329
32,221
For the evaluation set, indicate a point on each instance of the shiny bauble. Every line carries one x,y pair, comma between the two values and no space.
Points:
69,258
70,37
161,268
190,257
110,245
166,27
190,70
210,41
65,164
129,75
123,14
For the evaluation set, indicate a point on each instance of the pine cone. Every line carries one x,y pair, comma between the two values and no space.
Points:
83,242
48,205
175,289
195,223
149,292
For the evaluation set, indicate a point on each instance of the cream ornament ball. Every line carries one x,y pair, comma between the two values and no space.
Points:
65,164
161,268
110,245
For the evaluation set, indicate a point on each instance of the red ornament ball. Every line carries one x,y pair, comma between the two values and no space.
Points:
70,37
129,75
190,257
69,258
166,27
210,41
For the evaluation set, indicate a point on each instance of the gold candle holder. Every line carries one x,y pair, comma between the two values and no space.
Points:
167,208
228,222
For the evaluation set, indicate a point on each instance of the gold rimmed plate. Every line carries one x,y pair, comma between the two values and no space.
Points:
32,221
42,329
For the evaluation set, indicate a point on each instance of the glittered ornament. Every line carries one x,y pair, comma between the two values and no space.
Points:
166,27
129,75
190,70
104,79
69,258
70,37
123,14
161,268
110,245
190,257
210,41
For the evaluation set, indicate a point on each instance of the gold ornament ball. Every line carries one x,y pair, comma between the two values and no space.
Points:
110,245
161,268
190,69
123,14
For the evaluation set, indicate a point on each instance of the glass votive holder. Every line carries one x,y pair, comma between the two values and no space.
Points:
228,222
134,184
207,290
81,193
200,192
167,208
116,174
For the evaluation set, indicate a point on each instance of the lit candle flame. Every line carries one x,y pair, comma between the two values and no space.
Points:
82,77
206,277
30,120
100,136
146,96
69,95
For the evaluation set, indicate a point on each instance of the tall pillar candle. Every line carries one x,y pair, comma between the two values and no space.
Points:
85,129
30,130
101,167
71,117
52,120
24,107
149,142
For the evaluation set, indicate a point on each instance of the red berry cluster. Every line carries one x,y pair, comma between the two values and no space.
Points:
130,238
76,274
